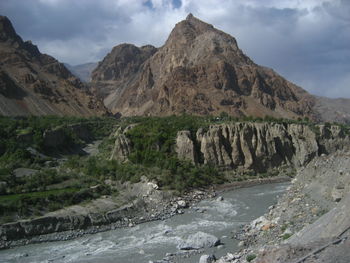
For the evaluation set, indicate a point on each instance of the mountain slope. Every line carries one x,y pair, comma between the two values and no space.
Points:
32,83
333,110
199,70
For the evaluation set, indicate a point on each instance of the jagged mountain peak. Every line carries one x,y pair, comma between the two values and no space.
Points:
198,42
7,31
199,70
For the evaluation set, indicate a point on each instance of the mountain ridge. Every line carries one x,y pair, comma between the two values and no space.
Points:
32,83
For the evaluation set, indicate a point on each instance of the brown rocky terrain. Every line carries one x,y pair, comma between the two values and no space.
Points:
310,223
199,70
118,69
32,83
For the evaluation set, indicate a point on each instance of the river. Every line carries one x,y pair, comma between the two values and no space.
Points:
151,241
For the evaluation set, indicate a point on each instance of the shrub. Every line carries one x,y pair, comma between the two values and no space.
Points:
250,257
286,236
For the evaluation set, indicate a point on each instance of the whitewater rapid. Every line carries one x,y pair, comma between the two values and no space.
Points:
152,240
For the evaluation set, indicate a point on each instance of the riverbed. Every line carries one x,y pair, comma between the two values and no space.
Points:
152,240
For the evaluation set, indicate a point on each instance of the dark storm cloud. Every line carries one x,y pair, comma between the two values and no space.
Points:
54,20
306,41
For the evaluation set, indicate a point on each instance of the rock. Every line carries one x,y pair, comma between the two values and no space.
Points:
168,231
207,259
337,195
24,172
199,240
241,244
267,226
259,222
122,145
220,198
185,147
154,186
182,204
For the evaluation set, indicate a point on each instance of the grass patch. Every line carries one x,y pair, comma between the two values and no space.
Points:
4,199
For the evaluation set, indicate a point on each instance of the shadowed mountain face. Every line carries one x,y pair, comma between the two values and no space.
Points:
199,70
32,83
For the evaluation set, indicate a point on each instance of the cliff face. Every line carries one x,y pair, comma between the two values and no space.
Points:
118,69
249,146
260,146
199,70
32,83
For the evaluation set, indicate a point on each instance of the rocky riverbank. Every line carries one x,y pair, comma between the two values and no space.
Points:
152,204
310,223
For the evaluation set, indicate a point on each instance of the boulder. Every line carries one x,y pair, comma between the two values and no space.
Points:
182,204
207,259
199,240
220,198
24,172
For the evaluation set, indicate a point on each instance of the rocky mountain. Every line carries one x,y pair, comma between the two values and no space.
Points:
118,70
199,70
32,83
82,71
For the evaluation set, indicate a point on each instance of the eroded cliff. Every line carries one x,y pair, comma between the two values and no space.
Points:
250,145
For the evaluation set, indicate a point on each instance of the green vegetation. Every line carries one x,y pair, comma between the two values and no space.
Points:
284,227
286,236
52,187
64,177
153,141
28,204
17,134
250,257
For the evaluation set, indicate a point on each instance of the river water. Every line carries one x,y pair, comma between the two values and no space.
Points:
151,241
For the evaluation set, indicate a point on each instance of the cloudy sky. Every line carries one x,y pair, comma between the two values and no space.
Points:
306,41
